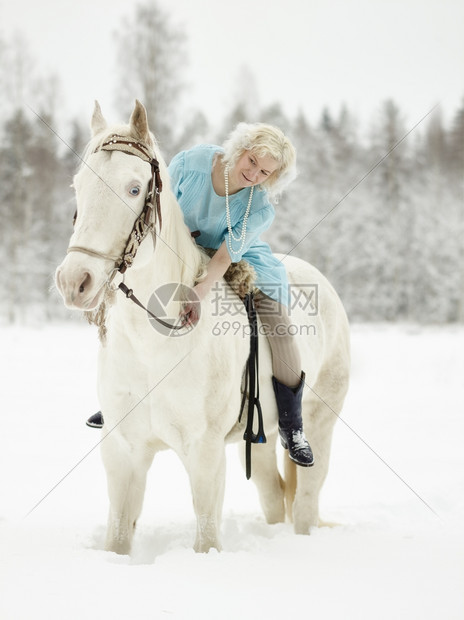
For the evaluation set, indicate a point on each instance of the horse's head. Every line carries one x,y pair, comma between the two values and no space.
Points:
111,189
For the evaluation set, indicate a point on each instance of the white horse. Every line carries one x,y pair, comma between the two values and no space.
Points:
158,391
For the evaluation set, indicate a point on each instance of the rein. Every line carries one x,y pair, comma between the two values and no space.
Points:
143,225
129,293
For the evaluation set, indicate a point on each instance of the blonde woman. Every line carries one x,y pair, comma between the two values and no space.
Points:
225,194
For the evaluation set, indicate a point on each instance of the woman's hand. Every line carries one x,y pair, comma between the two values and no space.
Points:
190,313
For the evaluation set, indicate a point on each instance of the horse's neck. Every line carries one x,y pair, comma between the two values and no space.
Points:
179,254
176,257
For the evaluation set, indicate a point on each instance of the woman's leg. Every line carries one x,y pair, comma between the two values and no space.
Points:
288,379
286,359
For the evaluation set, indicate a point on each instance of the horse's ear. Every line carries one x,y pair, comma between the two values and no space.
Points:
139,123
98,123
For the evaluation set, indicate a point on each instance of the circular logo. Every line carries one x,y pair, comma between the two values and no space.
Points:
168,303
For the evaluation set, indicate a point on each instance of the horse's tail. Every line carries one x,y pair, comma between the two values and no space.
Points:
290,481
290,485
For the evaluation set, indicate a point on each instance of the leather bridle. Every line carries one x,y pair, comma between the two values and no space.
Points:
151,212
143,225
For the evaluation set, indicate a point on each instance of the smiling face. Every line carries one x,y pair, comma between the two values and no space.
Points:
251,170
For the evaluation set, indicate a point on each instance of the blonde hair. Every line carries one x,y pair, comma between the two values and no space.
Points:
263,140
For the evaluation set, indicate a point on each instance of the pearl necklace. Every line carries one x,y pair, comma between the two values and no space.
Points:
242,236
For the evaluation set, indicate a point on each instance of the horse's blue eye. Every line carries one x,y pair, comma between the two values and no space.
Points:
135,191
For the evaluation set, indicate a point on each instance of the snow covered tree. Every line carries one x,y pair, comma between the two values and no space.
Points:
390,215
456,143
16,214
150,58
196,131
435,143
295,205
456,187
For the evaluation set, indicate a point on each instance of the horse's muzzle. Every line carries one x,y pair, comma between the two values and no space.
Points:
80,287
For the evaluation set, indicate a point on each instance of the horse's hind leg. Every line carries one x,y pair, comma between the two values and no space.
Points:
319,429
265,475
126,471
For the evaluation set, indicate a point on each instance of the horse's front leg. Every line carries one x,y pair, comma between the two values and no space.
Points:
126,470
205,464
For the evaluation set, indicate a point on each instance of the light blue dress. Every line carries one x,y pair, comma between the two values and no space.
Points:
204,210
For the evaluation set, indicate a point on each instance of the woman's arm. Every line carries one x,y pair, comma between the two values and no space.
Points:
217,267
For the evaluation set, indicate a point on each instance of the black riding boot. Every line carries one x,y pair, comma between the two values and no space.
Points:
95,420
291,422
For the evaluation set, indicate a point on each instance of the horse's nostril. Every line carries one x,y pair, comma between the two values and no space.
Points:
85,283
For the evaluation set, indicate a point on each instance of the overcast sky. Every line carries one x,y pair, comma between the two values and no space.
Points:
303,53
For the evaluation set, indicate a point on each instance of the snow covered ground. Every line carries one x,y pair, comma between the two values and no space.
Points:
395,488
